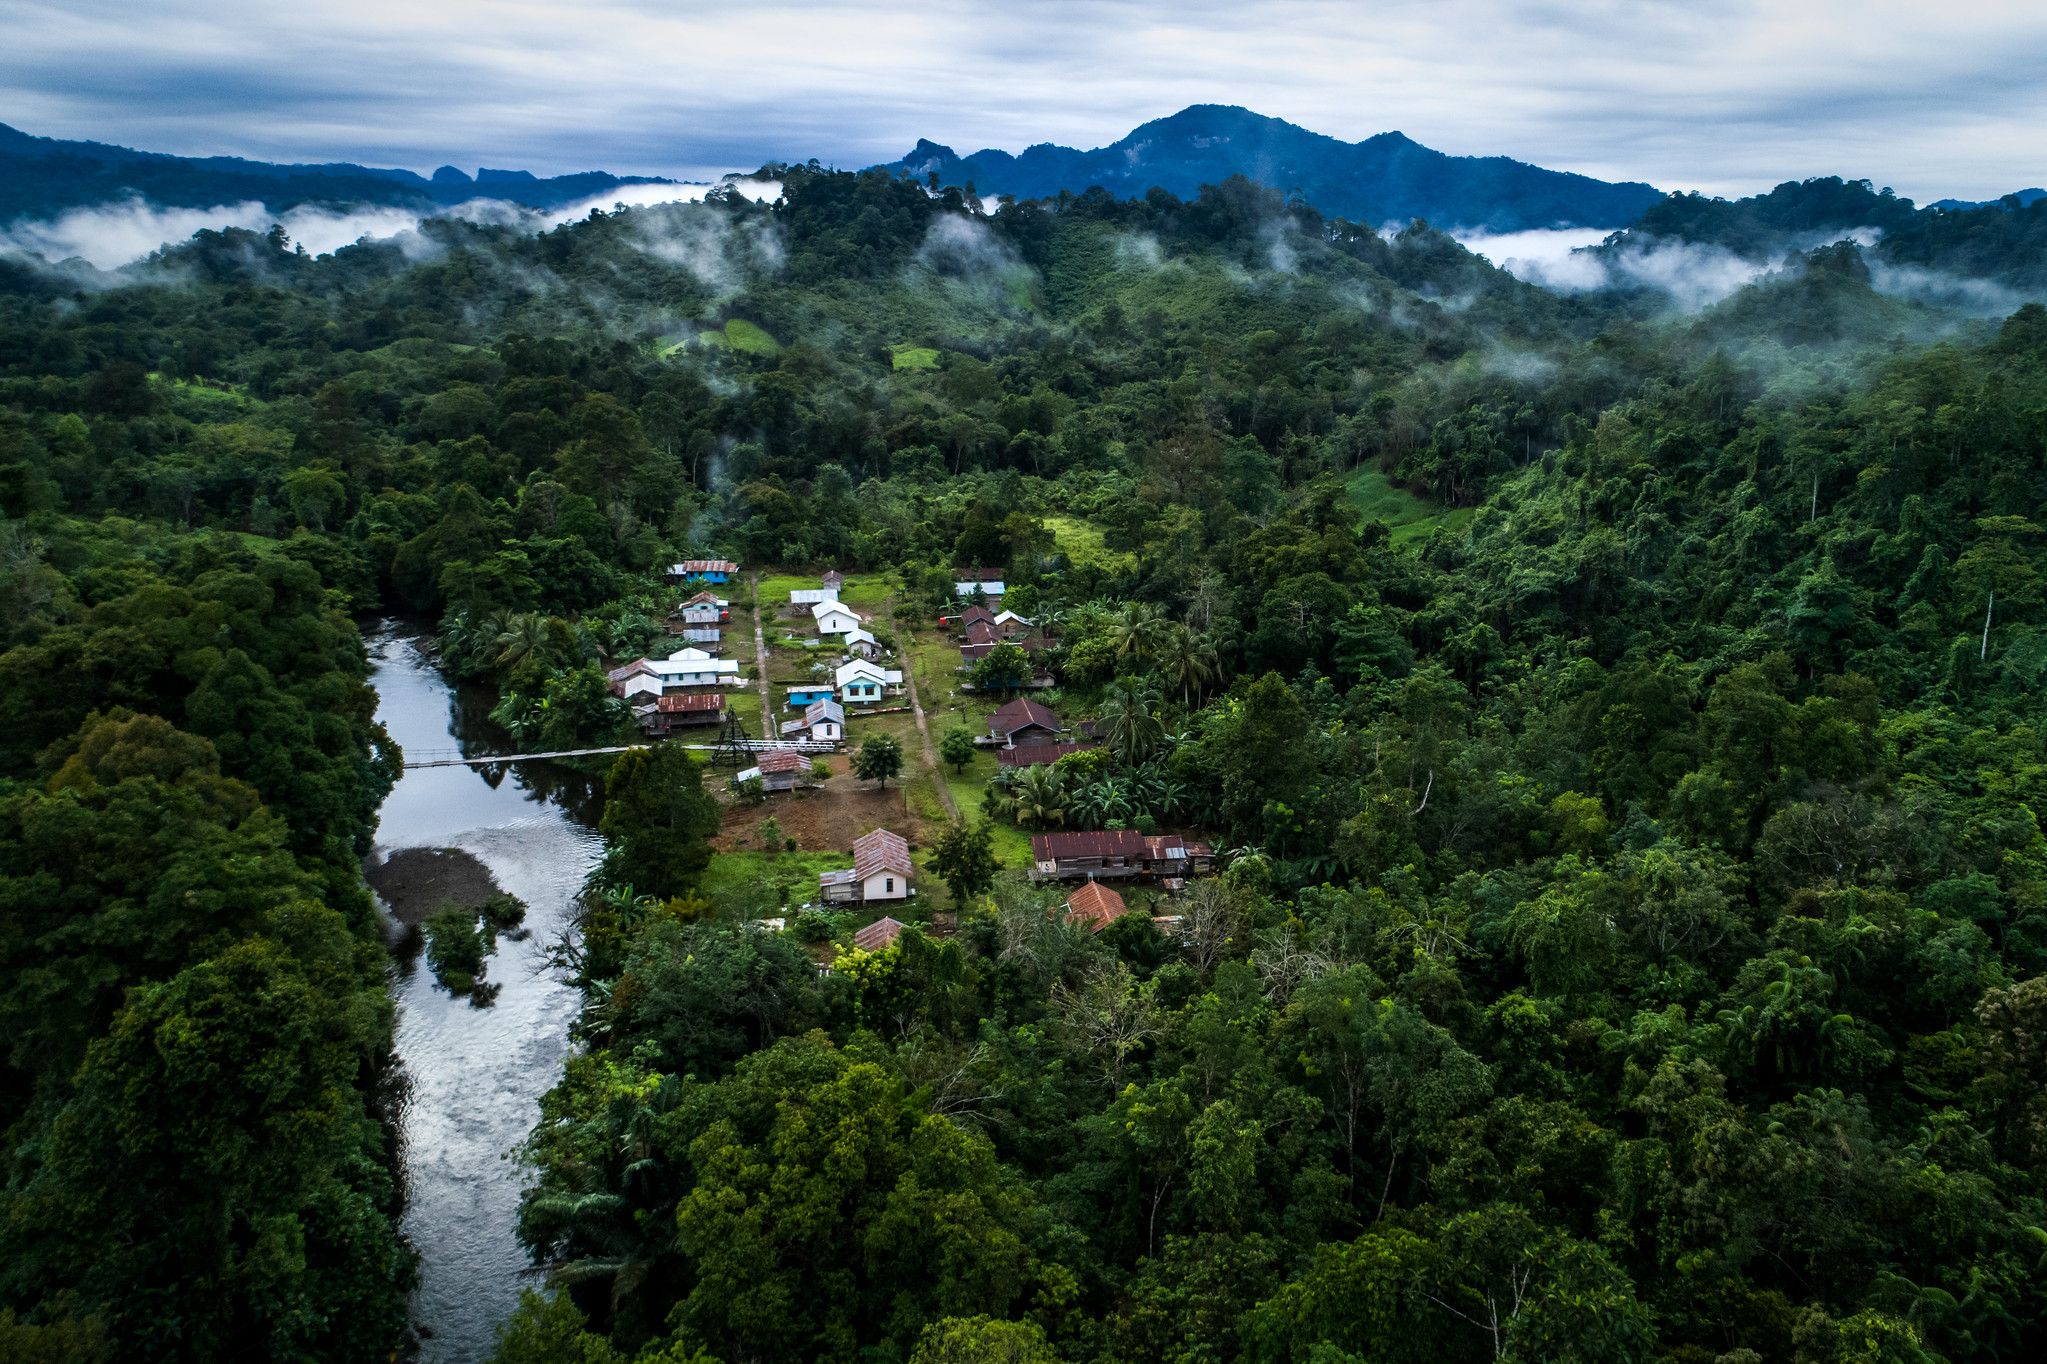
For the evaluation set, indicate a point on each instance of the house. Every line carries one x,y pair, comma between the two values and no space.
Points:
800,698
974,653
1011,624
835,619
879,935
636,678
703,571
1116,853
981,582
1022,723
695,668
1095,906
811,596
664,714
834,579
862,645
1110,854
779,770
702,634
983,632
863,682
1035,755
823,721
705,608
881,870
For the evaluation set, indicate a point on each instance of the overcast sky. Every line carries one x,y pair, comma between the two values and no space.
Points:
1728,96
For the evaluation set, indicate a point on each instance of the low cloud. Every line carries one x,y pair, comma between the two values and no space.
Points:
109,236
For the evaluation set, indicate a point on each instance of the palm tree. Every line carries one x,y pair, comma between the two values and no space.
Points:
1187,660
1128,724
1136,627
525,644
1039,796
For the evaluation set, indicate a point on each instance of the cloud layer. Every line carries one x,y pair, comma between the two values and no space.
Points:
1726,95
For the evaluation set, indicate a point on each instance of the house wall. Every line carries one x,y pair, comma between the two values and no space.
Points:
875,887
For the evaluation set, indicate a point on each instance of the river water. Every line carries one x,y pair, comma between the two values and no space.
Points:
472,1078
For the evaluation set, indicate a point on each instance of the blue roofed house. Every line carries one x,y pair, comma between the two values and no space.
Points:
704,571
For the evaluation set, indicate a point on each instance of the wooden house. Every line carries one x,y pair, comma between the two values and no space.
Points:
1036,755
834,579
659,715
779,769
861,644
801,697
1022,723
1011,625
705,608
1115,854
881,870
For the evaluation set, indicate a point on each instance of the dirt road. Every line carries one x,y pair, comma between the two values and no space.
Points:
923,725
760,654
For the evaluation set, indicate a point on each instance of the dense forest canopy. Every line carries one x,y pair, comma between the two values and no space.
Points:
1623,726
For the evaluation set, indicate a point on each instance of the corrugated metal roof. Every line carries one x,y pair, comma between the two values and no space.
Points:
1021,712
878,935
1107,843
881,850
705,566
1096,906
782,760
977,612
1033,755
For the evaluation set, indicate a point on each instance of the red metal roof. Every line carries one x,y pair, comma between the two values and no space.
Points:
704,701
878,935
977,612
1096,906
982,632
1022,712
880,850
1107,843
782,760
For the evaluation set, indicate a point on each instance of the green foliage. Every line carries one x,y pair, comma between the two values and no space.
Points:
879,757
956,746
657,821
964,858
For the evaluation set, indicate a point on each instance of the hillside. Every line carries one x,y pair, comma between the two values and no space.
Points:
1387,178
1618,734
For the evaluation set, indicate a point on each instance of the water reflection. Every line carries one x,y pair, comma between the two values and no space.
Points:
473,1077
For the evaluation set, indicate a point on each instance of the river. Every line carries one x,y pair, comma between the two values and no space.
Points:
472,1078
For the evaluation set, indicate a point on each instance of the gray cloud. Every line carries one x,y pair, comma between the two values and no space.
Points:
1725,95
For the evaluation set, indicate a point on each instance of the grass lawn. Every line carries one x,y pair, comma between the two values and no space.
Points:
1081,541
908,356
1412,519
737,878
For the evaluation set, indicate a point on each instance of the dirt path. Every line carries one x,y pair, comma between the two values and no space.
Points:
760,654
923,726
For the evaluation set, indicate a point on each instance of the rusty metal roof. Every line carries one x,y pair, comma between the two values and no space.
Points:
1096,906
782,760
881,850
1022,712
878,934
1033,755
1107,843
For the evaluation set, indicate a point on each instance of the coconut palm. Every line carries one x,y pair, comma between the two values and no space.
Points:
526,644
1187,661
1128,724
1039,796
1135,628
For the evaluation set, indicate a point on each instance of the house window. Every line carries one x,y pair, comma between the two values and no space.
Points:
889,884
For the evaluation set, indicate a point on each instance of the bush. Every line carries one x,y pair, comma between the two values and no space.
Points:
456,945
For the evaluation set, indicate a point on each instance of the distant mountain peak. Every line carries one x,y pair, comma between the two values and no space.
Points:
1388,177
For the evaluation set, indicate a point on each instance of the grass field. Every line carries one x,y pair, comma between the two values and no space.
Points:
733,876
1081,541
1411,519
908,356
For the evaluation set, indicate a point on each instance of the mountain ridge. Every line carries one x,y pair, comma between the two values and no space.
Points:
1386,177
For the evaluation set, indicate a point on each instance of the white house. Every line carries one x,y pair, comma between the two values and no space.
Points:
811,596
861,643
822,721
881,870
1010,623
834,619
862,681
683,668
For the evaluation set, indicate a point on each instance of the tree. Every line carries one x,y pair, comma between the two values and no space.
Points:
1005,666
769,831
657,821
965,859
879,758
983,1340
957,747
1039,796
1127,722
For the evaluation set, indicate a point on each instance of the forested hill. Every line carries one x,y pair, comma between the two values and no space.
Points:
43,176
1621,735
1387,178
2004,242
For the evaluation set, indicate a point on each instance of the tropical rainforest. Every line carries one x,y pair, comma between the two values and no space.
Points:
1620,728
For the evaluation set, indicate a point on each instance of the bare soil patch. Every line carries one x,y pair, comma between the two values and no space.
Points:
417,881
829,816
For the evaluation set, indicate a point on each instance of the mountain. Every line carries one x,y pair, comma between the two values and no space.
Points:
1386,178
44,175
2025,199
